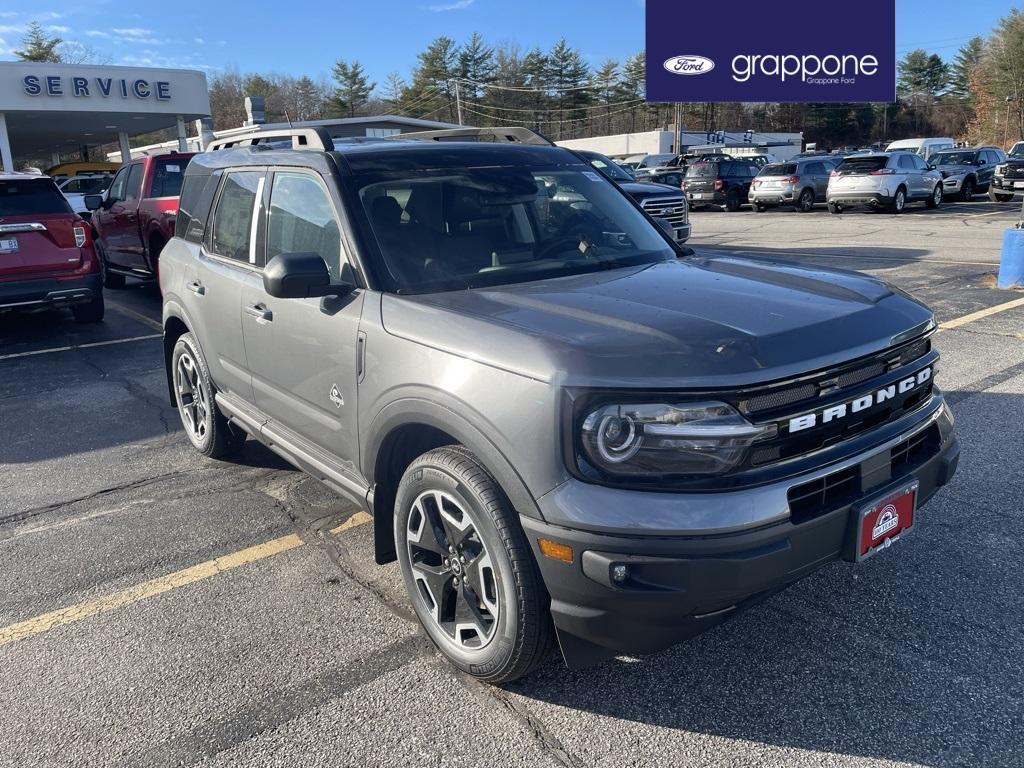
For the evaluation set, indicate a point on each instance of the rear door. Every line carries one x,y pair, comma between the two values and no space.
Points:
912,176
227,258
303,353
37,230
818,174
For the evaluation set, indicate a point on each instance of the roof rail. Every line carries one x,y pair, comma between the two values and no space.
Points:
511,135
302,138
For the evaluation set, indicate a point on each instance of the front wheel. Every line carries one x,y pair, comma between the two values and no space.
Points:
967,190
468,569
110,279
206,428
936,199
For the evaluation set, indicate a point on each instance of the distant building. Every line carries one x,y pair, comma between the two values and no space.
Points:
782,145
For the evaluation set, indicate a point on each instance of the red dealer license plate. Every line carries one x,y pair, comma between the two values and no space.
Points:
883,521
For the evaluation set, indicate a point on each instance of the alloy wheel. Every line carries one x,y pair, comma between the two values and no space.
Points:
900,201
937,196
455,578
192,397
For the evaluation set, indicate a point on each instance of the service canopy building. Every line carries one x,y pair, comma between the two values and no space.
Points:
48,109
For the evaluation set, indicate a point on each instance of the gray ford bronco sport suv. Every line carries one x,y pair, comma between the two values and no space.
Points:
567,427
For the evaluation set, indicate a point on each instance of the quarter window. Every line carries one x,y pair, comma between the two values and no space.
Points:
907,162
232,221
302,220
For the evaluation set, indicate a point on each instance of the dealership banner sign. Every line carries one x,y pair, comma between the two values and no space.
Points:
756,52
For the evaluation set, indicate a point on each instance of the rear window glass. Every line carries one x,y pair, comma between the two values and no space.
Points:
784,169
29,196
853,165
167,177
701,169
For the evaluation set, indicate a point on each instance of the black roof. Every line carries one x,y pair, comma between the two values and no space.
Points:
388,155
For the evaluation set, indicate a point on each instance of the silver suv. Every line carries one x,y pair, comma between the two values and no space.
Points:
800,183
886,180
565,425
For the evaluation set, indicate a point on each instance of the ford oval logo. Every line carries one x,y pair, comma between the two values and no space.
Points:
689,65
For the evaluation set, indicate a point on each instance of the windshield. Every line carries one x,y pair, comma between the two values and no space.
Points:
608,168
653,161
87,185
953,158
31,196
1018,149
452,229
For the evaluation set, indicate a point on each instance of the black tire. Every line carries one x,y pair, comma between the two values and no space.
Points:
91,312
935,200
899,201
521,635
999,197
806,202
732,201
967,190
111,280
207,429
835,208
760,208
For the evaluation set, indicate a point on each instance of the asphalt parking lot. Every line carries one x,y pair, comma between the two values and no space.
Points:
164,609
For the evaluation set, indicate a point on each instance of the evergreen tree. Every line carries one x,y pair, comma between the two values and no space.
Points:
354,89
430,94
967,59
922,77
475,64
38,46
567,77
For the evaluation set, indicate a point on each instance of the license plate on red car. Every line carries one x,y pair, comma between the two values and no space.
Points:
8,244
883,521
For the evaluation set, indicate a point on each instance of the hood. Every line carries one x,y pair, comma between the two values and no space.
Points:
698,323
955,170
640,190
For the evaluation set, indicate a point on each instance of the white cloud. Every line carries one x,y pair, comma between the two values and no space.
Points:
132,32
200,41
58,28
458,5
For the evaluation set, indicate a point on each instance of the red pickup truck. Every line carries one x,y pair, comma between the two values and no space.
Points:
136,217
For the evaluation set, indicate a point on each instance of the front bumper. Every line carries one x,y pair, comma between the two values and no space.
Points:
682,232
952,184
50,292
684,583
1008,185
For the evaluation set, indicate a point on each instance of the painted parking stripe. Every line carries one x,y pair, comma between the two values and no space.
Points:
981,313
89,345
359,518
151,588
122,309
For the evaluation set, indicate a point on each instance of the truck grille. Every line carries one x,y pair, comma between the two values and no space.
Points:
671,208
1014,171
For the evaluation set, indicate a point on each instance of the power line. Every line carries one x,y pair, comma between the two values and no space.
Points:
548,89
554,108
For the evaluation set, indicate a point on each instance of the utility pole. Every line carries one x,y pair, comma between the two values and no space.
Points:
1006,125
458,102
677,138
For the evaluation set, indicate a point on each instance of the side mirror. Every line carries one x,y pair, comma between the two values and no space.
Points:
300,276
666,225
93,202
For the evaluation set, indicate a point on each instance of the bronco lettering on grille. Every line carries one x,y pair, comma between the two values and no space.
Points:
862,403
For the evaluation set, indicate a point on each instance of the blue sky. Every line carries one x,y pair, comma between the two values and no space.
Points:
385,36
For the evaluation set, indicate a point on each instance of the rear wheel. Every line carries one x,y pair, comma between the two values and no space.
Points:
732,200
468,568
967,190
835,208
999,197
899,201
206,428
806,202
936,199
110,279
760,208
91,312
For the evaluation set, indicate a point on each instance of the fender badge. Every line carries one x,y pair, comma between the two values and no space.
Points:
336,397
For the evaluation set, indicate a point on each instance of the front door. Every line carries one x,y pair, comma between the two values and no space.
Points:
303,353
124,245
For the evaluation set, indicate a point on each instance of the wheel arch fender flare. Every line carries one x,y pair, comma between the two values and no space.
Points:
176,322
418,411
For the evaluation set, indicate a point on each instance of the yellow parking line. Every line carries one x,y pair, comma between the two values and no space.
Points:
135,315
151,588
956,323
359,518
79,346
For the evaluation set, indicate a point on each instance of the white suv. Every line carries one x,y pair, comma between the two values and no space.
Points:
886,180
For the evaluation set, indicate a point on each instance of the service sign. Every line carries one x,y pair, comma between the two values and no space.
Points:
757,52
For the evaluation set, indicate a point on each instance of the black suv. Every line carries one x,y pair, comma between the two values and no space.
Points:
1008,179
720,182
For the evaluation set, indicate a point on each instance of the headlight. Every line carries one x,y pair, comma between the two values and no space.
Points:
636,440
1000,169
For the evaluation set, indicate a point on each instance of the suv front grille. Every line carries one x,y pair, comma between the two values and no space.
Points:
1014,171
671,208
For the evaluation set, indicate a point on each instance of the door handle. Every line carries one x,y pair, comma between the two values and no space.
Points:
197,288
260,312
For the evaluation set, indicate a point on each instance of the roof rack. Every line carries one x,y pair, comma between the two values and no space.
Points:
302,138
510,135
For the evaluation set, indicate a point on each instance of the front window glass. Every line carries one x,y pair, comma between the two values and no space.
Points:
452,229
302,220
953,158
133,188
1018,149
